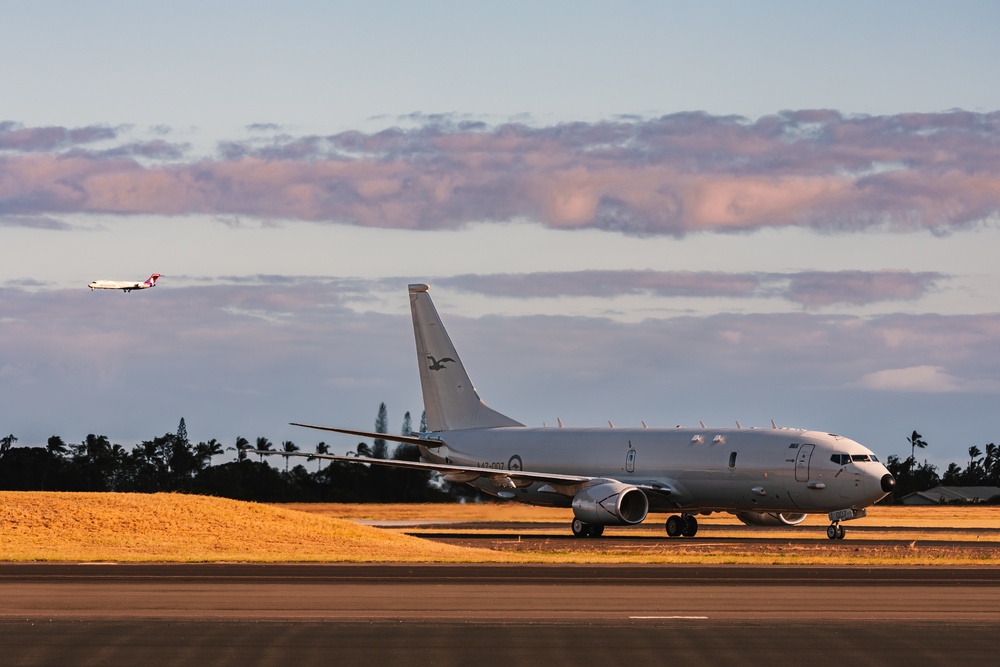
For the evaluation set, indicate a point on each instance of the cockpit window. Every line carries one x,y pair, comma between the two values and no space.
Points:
861,458
841,459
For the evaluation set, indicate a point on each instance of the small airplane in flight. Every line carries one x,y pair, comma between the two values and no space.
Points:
618,476
125,285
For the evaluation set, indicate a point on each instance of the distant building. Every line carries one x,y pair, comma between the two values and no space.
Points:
951,494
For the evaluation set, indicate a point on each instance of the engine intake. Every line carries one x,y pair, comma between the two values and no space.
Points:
770,518
610,504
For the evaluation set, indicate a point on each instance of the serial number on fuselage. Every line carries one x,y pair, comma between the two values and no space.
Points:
492,465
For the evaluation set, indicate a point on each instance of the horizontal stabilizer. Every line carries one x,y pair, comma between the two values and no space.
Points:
408,439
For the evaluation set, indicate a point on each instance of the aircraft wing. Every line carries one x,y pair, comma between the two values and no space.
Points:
457,473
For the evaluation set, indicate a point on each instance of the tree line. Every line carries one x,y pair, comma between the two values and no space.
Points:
171,463
982,469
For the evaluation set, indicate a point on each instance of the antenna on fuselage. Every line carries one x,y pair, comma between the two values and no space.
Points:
559,421
643,423
738,425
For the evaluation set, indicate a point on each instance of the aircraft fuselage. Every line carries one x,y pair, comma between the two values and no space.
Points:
781,470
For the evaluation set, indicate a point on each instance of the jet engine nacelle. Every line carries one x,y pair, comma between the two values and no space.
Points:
610,504
770,518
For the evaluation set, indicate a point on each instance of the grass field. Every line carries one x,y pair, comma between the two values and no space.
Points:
100,527
953,516
125,527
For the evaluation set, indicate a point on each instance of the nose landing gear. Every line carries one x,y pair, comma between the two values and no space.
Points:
835,531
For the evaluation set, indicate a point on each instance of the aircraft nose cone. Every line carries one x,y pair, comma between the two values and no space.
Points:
888,483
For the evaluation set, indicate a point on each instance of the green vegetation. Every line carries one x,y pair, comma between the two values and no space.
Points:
983,469
169,463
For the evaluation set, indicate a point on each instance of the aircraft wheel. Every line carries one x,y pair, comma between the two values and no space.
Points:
841,531
675,526
832,531
595,531
690,528
580,529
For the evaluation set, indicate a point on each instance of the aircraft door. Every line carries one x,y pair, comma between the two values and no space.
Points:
802,462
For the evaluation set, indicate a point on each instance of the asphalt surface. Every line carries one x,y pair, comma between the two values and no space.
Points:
248,614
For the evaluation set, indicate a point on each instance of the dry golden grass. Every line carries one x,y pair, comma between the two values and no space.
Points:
947,516
36,526
92,527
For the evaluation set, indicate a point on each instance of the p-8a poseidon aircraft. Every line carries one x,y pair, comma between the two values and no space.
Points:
126,285
618,476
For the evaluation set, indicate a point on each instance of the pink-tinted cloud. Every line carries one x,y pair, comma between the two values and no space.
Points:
811,289
670,175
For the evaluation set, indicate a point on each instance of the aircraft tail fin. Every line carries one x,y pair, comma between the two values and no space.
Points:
151,280
450,399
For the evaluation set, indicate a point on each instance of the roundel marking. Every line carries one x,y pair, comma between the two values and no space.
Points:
514,463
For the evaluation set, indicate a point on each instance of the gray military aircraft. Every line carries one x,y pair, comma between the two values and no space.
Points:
618,476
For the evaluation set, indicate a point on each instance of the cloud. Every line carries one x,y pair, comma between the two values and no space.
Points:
823,288
924,379
16,137
812,289
33,222
671,175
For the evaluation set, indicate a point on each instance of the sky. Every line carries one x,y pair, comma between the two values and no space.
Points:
666,212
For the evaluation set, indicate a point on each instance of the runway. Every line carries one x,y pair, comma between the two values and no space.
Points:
245,614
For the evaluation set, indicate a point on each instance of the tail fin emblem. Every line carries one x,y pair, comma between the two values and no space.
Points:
438,365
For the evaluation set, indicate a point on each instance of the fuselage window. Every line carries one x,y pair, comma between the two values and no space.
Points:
732,460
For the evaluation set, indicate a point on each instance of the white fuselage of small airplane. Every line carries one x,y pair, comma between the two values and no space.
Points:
125,285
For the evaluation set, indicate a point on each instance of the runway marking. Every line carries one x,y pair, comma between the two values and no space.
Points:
661,618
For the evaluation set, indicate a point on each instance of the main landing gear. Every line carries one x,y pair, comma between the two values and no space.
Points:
581,529
683,524
835,531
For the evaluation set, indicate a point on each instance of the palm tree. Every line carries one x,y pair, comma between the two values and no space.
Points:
6,442
991,462
321,448
56,446
974,454
916,442
264,445
241,448
204,451
288,447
